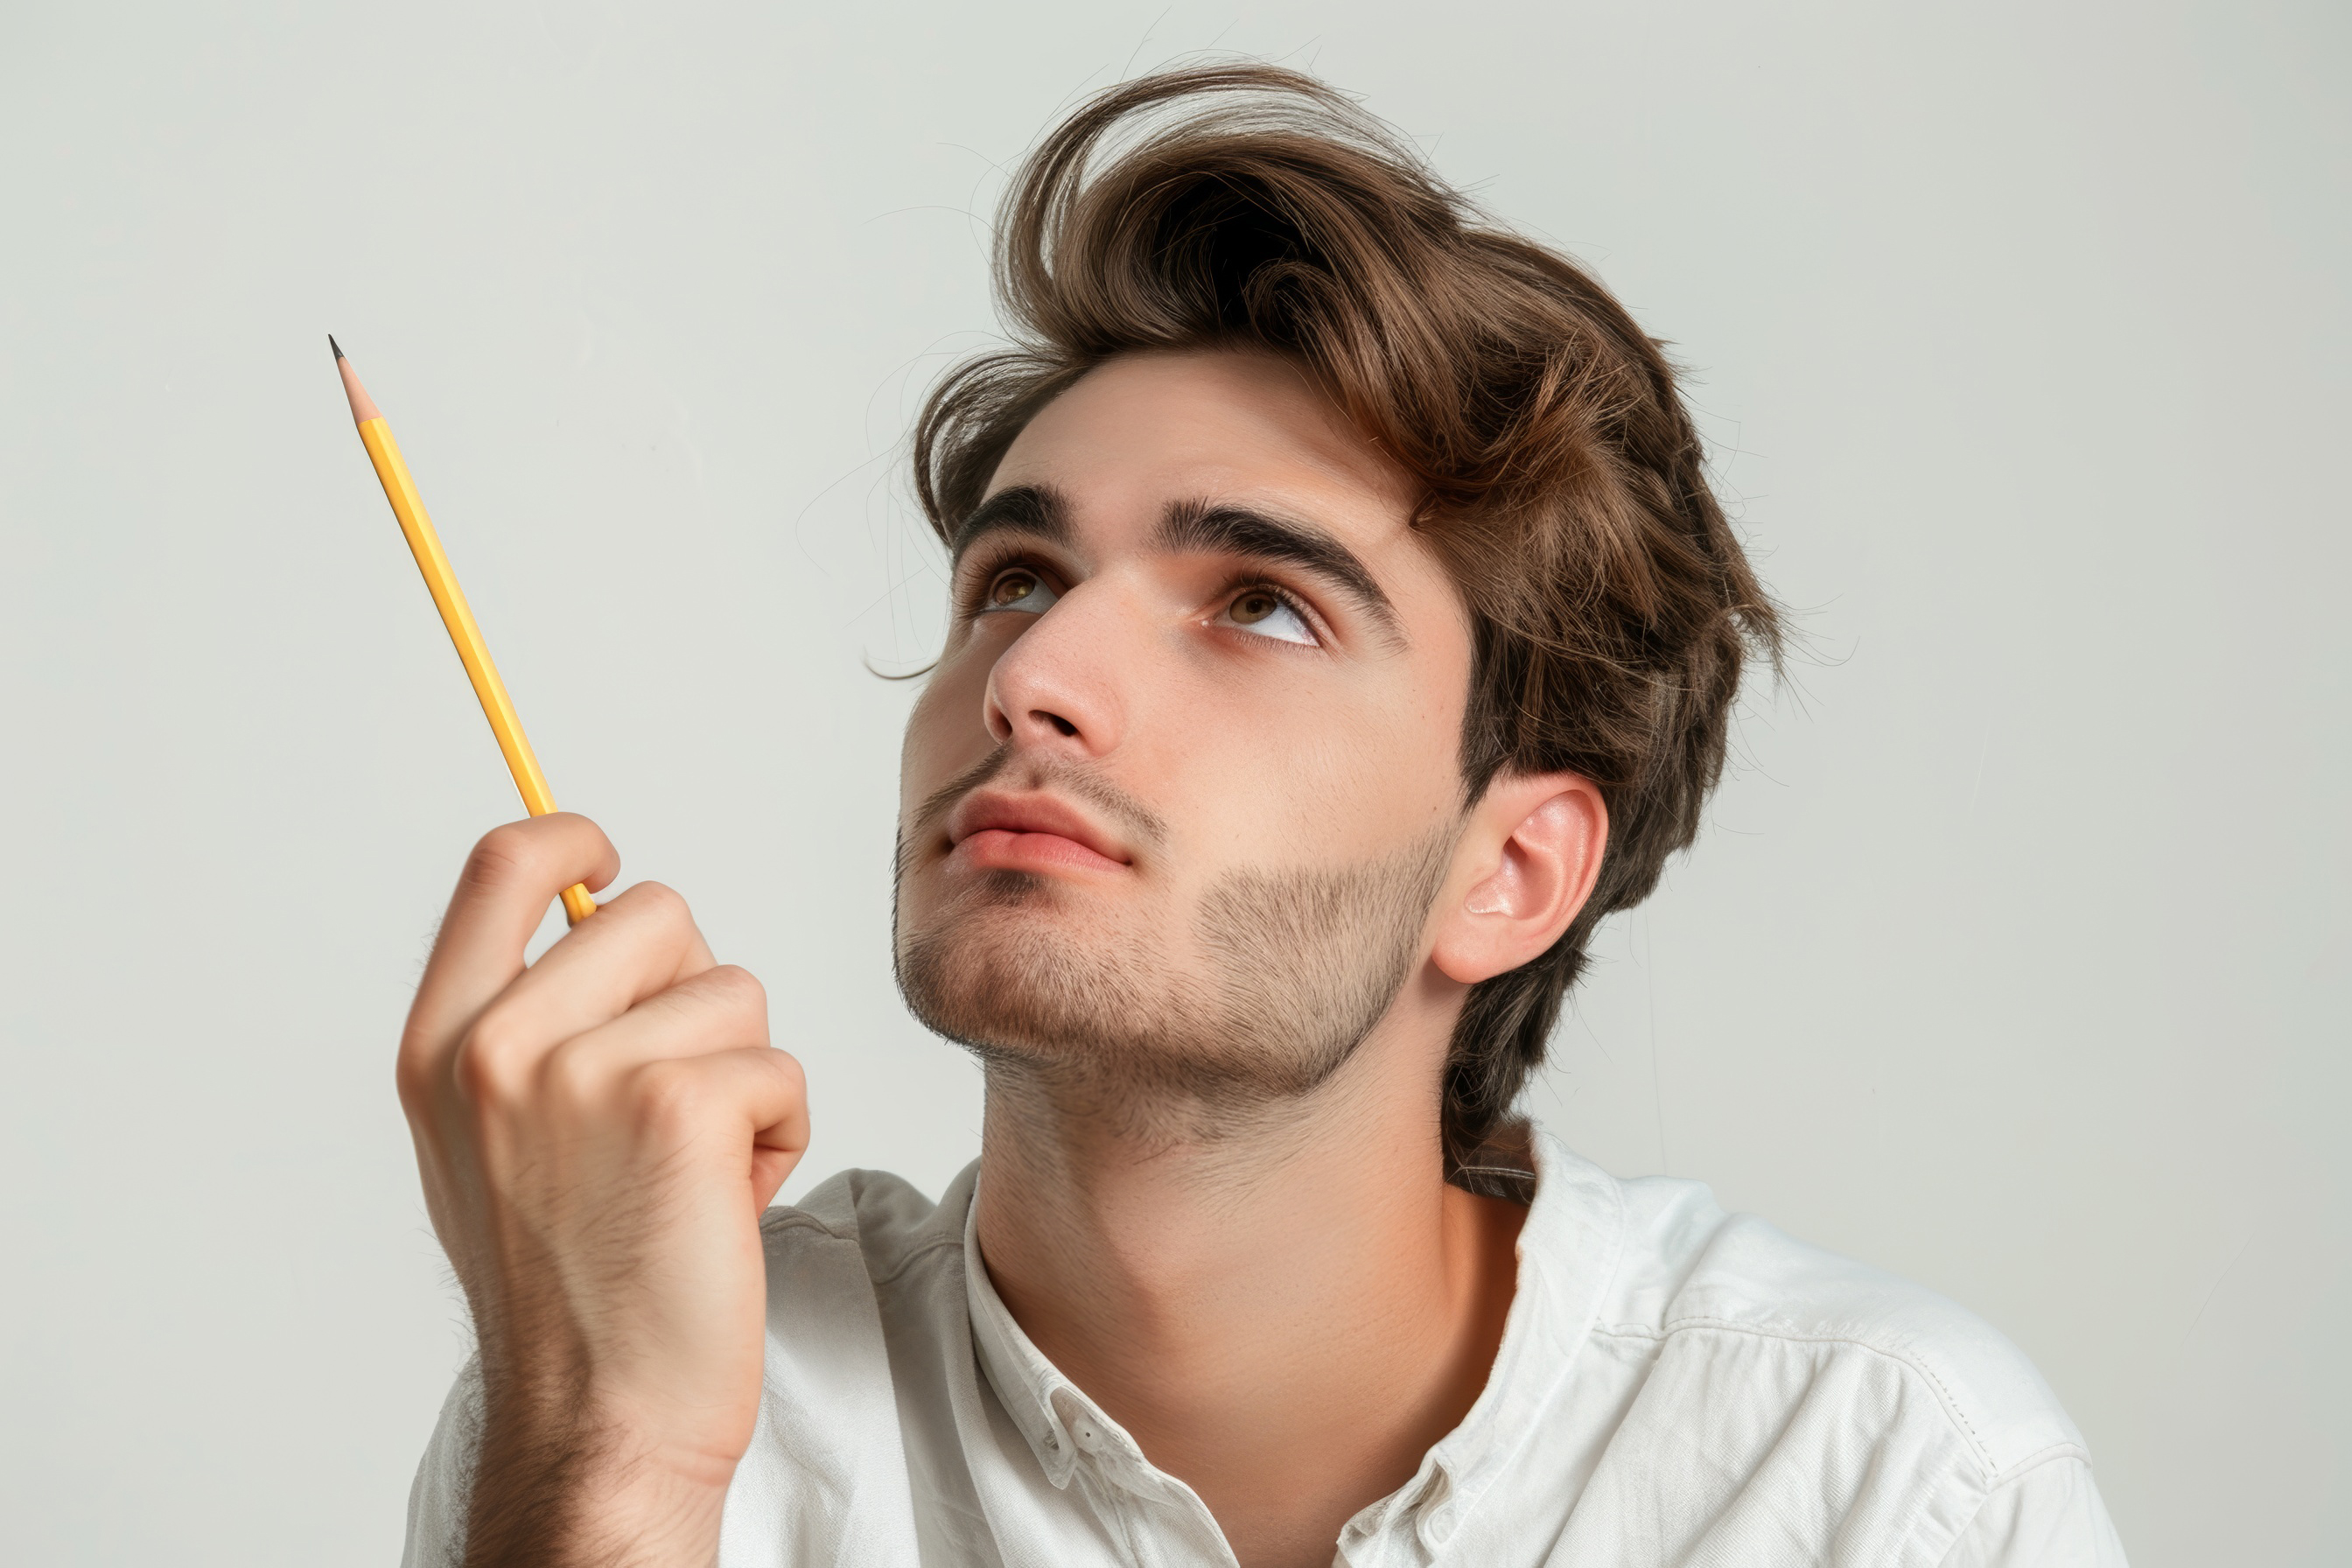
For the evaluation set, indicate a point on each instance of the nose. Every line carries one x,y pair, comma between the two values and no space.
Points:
1057,686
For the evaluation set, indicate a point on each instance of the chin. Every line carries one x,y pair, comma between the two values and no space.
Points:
1256,992
1006,965
1115,1027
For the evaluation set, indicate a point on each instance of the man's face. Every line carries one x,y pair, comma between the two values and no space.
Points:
1179,796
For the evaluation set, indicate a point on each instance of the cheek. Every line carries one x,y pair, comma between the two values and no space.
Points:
1305,770
944,731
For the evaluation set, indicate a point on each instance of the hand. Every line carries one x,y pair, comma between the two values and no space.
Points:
598,1134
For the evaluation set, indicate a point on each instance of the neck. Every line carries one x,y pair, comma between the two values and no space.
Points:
1287,1310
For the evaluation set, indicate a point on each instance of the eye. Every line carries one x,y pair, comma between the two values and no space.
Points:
1018,588
1266,612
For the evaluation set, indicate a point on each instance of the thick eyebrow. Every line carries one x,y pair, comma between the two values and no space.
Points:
1227,529
1034,509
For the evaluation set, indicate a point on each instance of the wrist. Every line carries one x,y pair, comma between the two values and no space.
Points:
585,1492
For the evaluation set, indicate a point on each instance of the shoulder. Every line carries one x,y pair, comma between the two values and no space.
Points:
862,1268
1691,1271
879,1219
862,1255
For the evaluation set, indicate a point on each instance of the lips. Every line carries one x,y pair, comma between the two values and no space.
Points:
994,830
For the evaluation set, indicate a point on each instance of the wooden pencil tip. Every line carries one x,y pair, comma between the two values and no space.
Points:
363,407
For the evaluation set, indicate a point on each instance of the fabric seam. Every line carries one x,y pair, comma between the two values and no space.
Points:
914,1255
2036,1460
1950,1401
785,1219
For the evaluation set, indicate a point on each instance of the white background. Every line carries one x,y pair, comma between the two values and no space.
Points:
2014,959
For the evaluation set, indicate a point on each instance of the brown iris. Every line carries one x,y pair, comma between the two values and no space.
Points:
1010,589
1253,605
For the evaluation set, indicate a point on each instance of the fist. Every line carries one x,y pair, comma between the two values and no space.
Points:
598,1133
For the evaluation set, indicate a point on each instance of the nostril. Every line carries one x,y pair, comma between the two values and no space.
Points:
1060,724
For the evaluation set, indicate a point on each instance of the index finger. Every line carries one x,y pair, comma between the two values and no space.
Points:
512,875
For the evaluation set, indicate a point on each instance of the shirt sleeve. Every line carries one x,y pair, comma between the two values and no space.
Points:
443,1490
2048,1516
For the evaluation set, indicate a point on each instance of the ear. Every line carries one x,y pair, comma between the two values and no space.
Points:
1524,868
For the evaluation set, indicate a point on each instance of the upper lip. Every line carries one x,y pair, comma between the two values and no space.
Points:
986,809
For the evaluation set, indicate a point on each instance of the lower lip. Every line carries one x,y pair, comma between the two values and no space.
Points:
999,849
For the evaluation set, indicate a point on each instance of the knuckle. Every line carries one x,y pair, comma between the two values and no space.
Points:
662,903
502,858
489,1066
737,986
476,1079
789,1069
412,1079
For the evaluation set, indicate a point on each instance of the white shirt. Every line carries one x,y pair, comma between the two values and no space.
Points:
1676,1385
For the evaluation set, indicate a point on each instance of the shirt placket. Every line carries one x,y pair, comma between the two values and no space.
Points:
1161,1521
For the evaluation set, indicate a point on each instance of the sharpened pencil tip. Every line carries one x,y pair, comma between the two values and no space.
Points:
363,407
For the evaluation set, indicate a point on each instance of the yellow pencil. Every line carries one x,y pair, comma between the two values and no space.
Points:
475,654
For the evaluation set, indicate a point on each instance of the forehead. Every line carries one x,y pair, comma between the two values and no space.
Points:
1144,430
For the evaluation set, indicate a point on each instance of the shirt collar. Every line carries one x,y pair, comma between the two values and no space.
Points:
1024,1381
1570,1248
1062,1426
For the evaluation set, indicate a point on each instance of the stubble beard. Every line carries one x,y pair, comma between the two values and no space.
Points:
1290,972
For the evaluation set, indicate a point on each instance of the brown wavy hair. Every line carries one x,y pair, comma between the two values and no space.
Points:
1564,486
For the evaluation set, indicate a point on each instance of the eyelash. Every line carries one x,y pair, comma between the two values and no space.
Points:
978,582
1290,601
972,593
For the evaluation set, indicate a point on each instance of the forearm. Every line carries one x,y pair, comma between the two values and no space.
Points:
555,1487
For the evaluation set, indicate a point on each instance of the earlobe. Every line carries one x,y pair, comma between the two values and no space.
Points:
1533,854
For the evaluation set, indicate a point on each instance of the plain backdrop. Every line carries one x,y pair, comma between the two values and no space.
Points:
2013,959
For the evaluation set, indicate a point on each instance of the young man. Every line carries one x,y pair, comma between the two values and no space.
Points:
1343,627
